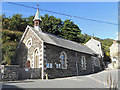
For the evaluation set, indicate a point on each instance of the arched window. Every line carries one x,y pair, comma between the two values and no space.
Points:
83,62
29,43
36,58
63,58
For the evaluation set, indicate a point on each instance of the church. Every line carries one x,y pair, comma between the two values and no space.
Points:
53,55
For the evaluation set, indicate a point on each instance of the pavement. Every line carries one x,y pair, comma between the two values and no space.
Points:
97,80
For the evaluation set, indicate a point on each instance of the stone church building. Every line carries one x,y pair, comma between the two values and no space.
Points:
53,55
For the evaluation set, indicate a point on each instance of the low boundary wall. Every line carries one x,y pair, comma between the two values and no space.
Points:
13,73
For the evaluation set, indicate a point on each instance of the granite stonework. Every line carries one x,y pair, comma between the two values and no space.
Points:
9,73
73,62
29,73
23,53
13,73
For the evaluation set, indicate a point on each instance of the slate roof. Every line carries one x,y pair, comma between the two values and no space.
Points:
58,41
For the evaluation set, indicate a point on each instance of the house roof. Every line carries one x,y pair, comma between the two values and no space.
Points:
95,46
58,41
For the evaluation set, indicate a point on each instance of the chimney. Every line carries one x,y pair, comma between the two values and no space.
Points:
37,20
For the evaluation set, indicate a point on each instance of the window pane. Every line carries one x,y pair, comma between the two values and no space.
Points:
47,65
59,65
56,65
50,65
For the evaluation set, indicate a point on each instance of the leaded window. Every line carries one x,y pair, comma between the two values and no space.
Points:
36,58
63,58
83,62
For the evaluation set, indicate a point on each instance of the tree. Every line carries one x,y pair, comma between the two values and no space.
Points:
51,24
29,20
70,31
14,23
5,22
17,23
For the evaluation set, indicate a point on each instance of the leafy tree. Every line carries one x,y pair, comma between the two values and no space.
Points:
51,24
9,41
17,23
14,23
70,31
5,22
29,20
8,54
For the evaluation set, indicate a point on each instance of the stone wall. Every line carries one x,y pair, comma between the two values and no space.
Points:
9,73
29,73
13,72
52,54
23,53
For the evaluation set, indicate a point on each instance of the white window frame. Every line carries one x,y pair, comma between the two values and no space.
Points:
83,62
50,65
61,60
47,65
34,54
30,39
57,65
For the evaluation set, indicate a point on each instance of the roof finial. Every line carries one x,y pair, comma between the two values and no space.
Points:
37,15
38,6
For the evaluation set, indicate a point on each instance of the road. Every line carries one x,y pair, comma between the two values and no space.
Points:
97,80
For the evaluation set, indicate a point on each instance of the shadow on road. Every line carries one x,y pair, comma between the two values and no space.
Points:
20,81
11,87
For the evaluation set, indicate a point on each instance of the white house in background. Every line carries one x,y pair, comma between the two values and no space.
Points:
95,46
114,54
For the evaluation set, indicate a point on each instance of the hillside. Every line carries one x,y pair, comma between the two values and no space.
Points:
10,41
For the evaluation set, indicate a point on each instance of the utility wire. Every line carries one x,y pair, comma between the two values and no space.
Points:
15,12
65,14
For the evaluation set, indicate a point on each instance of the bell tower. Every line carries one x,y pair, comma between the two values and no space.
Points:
37,20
